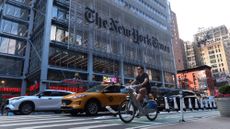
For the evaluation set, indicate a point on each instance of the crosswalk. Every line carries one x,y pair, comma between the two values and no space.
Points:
63,121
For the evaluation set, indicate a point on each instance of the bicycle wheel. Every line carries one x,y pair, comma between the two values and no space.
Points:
152,115
126,111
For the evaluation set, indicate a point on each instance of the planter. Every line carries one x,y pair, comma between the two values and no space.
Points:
223,105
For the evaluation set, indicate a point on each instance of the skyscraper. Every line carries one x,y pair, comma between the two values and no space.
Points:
178,46
47,41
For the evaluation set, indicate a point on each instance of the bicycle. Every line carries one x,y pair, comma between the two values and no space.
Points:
128,108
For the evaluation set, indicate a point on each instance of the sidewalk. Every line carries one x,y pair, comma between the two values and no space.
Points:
204,123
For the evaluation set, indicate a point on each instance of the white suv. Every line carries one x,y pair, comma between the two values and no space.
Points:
48,100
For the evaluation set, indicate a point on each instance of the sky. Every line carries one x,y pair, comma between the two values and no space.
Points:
192,14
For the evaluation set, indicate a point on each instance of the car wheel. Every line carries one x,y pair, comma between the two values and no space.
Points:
26,108
92,108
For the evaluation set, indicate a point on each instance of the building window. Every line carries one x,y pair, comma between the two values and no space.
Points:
67,59
60,14
14,28
169,77
59,34
129,70
12,46
14,11
105,66
10,66
57,75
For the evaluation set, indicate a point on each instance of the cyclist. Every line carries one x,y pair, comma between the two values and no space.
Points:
142,79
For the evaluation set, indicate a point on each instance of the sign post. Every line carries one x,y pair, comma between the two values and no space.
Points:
181,106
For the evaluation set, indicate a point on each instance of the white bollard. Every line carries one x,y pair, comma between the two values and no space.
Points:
210,104
214,104
166,104
196,104
201,103
189,104
175,104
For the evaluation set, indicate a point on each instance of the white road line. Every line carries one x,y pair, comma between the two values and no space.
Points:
56,125
144,126
40,122
95,126
26,117
29,120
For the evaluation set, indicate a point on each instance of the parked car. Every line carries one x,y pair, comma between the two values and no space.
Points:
172,93
48,100
94,100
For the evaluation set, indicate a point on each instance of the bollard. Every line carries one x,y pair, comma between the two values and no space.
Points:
214,104
210,104
181,107
189,104
196,105
206,103
175,104
201,104
166,104
184,106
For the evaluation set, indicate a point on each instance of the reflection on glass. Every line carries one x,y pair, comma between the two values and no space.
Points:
13,28
11,46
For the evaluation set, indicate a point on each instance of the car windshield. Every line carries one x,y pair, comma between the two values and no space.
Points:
97,88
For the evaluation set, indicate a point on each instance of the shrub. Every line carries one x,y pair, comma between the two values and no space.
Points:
224,89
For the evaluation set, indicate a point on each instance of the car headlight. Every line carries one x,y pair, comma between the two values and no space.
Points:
79,96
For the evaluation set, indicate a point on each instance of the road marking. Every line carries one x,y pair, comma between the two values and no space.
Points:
29,120
26,117
40,122
144,126
95,126
66,124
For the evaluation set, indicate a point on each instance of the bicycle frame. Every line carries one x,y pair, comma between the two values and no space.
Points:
132,98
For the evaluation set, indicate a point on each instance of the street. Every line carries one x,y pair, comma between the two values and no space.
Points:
65,121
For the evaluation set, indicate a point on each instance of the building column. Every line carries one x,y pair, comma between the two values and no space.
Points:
90,53
27,52
121,61
122,71
46,44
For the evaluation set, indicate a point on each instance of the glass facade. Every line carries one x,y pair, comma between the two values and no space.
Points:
122,35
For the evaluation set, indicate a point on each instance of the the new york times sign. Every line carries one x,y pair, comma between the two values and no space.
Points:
91,16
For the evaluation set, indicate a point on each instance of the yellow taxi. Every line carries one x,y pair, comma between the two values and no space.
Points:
94,100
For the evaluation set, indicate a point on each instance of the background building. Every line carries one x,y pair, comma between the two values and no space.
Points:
178,45
198,79
190,55
40,44
15,28
212,46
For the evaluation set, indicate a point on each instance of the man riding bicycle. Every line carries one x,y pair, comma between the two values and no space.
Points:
142,80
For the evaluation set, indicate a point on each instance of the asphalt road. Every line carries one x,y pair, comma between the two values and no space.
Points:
104,121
